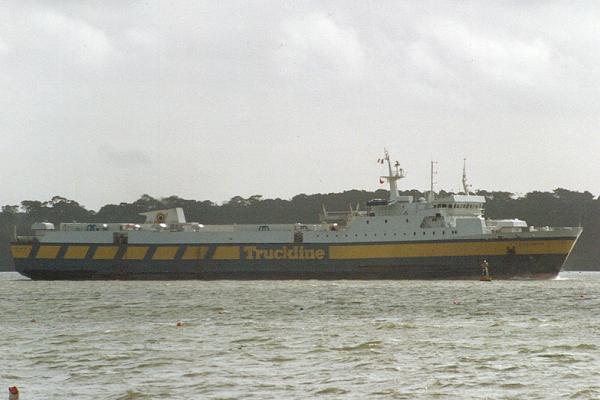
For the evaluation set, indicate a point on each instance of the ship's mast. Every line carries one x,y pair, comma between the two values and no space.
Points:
431,194
394,175
466,186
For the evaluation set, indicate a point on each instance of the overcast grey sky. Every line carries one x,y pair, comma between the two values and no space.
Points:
104,101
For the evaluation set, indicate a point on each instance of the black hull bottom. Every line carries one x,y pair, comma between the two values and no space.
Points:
435,268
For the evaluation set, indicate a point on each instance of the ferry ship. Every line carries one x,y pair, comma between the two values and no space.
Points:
395,238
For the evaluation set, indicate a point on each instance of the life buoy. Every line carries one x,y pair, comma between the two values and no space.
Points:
160,218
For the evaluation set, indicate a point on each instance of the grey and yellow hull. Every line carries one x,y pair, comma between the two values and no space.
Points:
457,259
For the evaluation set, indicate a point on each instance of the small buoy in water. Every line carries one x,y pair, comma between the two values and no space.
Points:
179,324
455,301
13,393
485,272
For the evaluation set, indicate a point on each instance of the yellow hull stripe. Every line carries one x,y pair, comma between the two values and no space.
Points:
195,253
20,251
227,253
105,252
496,248
165,253
48,252
76,252
135,253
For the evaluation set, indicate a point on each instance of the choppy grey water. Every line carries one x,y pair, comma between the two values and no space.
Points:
297,340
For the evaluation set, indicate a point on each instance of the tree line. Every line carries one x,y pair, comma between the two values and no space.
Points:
560,207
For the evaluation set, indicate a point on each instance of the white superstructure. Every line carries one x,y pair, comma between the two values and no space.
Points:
398,218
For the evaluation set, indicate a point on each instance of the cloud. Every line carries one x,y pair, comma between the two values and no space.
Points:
124,158
316,44
500,58
80,40
3,47
237,88
141,38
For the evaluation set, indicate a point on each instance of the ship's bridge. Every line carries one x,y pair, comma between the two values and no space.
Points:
457,205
